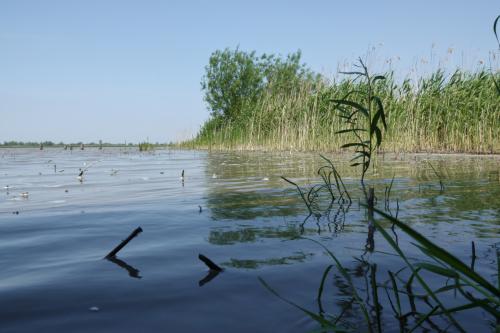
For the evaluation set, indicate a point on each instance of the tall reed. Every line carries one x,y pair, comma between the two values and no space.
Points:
439,113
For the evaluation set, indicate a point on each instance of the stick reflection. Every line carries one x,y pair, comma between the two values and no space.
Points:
132,272
211,275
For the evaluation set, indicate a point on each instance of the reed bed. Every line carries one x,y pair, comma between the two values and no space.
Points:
459,112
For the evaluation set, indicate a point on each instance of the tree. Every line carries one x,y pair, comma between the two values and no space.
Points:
232,80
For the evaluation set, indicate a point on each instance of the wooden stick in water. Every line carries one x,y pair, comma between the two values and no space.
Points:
209,263
124,242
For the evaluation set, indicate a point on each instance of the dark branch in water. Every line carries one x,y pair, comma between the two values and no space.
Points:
210,264
124,242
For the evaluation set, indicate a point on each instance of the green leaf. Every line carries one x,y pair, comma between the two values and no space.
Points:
353,73
322,285
380,109
300,192
378,133
347,277
495,29
467,306
374,122
361,154
378,77
355,105
424,318
448,288
415,274
441,254
396,291
437,270
350,130
354,144
324,323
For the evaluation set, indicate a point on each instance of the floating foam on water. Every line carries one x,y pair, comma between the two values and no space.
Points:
58,201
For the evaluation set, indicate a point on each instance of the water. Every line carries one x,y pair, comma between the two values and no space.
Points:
53,241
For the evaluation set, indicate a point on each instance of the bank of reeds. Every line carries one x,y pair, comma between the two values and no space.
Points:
459,112
146,146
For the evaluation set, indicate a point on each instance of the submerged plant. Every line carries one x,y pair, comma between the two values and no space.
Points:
333,187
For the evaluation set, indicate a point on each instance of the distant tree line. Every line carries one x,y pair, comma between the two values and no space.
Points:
13,143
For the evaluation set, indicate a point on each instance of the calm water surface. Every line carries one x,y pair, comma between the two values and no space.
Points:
53,241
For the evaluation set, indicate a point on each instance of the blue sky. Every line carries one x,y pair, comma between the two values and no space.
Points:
130,70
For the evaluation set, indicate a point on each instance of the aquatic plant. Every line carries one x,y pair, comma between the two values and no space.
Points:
334,189
415,300
426,302
411,297
363,118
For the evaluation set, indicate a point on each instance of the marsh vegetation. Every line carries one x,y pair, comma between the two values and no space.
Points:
272,102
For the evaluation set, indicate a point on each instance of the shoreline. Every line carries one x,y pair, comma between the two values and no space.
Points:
274,150
343,152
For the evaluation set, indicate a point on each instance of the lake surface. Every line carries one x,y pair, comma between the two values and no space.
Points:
234,208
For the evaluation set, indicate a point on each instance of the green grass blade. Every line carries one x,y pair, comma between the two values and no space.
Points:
322,321
302,195
350,130
380,108
442,254
354,144
449,273
378,134
396,292
376,304
355,105
347,277
321,287
414,270
467,306
424,318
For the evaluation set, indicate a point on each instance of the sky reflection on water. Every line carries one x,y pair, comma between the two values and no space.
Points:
250,224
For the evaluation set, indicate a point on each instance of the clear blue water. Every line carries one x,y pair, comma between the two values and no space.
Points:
52,242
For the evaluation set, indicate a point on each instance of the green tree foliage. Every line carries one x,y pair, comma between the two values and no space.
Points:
235,81
232,79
